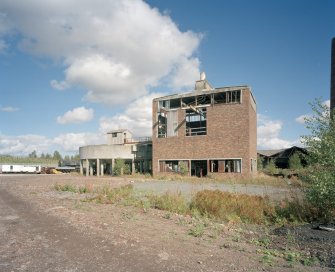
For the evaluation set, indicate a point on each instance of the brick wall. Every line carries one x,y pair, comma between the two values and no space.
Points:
231,133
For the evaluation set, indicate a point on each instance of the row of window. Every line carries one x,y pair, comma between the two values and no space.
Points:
228,97
201,167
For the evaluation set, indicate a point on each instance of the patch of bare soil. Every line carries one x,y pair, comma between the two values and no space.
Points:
170,242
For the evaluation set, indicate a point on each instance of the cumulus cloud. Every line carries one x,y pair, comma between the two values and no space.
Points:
70,142
268,134
77,115
302,118
137,117
116,50
59,85
9,109
23,144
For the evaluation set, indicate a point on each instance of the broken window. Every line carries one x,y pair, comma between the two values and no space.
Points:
162,120
186,101
228,97
196,122
168,166
204,99
165,104
181,167
226,166
175,103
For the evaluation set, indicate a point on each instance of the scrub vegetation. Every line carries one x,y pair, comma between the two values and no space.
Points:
207,204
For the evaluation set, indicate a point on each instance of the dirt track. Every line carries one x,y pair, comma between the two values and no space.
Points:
45,230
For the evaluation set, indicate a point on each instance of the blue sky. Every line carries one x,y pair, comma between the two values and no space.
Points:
72,70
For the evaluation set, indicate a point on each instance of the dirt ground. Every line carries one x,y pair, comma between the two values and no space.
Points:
42,229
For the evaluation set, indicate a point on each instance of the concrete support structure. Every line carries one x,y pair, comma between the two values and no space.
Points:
100,159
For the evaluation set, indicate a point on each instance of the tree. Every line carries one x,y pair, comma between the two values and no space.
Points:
260,163
321,159
57,156
295,162
121,168
33,154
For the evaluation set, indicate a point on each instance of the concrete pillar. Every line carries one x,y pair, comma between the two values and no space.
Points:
132,167
189,167
98,167
113,165
81,167
102,170
87,168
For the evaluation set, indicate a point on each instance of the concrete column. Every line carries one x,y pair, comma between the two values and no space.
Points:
189,167
81,167
87,168
113,165
98,167
132,167
102,170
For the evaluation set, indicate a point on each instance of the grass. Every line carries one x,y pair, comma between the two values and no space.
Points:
259,179
214,204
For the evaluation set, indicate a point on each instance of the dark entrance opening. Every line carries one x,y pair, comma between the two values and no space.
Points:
199,168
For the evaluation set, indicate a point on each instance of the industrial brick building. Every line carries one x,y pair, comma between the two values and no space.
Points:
210,131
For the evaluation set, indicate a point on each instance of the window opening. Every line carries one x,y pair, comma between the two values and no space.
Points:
196,122
226,166
199,168
203,100
164,104
186,101
114,134
228,97
168,166
162,121
175,103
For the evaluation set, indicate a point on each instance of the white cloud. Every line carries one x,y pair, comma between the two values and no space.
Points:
77,115
268,134
326,103
23,144
59,85
137,117
113,48
65,143
9,109
302,118
70,142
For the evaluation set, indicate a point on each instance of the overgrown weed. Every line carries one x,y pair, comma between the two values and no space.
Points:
204,205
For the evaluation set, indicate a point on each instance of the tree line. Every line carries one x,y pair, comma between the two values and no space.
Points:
43,158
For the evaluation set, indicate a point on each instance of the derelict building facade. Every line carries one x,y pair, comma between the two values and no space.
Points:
210,131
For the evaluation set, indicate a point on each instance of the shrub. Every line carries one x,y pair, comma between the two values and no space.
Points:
271,168
172,202
224,206
321,149
295,162
121,167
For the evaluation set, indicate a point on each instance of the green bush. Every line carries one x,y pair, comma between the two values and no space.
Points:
321,160
121,167
295,162
271,168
